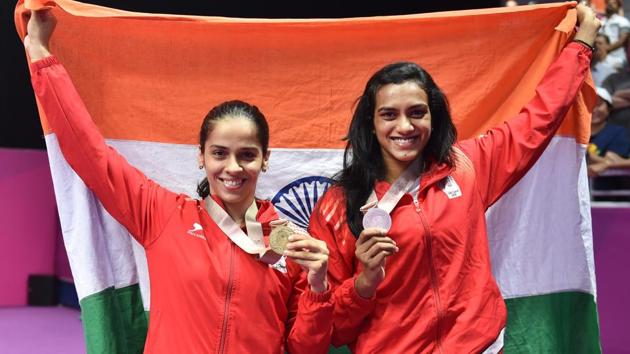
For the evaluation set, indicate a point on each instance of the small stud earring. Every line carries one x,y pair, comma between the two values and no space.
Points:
201,167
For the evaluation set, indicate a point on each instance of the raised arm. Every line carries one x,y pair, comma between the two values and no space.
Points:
127,194
504,154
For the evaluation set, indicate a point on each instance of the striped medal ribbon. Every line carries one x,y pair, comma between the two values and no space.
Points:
253,241
376,212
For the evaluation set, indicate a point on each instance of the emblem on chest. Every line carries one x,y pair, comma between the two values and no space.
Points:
196,231
450,188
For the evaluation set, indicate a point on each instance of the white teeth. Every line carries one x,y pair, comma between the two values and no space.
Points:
231,183
404,141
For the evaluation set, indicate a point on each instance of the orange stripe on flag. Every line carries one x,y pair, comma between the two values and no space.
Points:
154,77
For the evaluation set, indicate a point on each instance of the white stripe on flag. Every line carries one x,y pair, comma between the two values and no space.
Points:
540,235
100,252
540,231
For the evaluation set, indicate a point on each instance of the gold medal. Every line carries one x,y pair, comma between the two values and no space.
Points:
279,237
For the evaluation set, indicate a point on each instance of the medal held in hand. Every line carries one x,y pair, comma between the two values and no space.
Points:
378,218
377,211
279,237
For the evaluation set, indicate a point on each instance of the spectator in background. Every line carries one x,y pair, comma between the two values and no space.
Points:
608,149
617,28
603,65
618,85
609,143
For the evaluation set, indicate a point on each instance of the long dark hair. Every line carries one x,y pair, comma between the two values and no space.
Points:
363,163
228,109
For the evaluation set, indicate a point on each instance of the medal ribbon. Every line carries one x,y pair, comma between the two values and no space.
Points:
252,242
403,183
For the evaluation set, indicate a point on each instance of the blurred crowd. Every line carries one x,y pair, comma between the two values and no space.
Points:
608,152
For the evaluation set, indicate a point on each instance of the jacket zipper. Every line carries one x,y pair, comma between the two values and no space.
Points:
228,298
434,278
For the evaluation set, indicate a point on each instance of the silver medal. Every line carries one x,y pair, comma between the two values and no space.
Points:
377,218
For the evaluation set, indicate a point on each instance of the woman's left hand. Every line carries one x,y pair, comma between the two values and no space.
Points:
588,24
40,28
312,255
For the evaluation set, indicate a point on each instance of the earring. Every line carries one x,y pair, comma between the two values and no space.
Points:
264,169
201,167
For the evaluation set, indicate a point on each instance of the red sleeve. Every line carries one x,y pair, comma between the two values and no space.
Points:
309,326
135,201
504,154
328,224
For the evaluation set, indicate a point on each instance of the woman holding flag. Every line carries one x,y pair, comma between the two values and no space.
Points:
219,281
405,222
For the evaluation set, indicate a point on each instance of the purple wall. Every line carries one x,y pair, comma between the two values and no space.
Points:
29,225
611,239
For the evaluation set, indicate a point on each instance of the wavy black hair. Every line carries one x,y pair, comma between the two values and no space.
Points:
363,162
234,108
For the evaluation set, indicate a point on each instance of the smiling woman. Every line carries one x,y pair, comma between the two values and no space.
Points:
234,149
202,287
402,125
422,282
404,109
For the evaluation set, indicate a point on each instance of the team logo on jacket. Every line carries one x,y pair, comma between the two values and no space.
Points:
196,231
296,200
280,265
451,188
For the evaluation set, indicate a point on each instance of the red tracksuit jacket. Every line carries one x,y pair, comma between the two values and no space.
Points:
439,295
207,295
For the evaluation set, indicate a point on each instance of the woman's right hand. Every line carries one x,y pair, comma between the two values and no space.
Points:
39,30
372,248
588,24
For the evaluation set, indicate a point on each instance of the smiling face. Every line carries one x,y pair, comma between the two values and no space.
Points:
402,124
233,158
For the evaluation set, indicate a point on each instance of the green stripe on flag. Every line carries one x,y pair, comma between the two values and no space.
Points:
554,323
114,321
340,350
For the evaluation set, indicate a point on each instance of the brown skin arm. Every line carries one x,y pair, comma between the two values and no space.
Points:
623,39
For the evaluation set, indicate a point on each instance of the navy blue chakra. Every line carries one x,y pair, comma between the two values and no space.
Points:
296,200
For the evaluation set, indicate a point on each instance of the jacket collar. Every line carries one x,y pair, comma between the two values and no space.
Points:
266,211
433,174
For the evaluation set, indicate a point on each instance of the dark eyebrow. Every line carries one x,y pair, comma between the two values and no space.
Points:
416,106
247,148
419,105
250,148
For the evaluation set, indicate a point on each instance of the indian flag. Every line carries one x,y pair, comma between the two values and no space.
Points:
148,80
